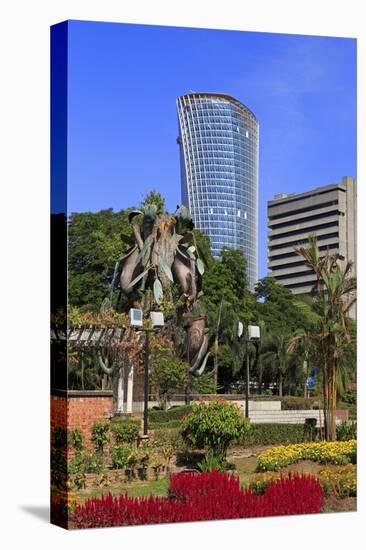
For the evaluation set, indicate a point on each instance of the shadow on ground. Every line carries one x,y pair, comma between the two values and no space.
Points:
40,512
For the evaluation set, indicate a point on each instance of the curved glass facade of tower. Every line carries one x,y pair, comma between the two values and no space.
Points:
218,141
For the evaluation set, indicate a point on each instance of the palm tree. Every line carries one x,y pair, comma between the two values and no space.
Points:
275,355
333,296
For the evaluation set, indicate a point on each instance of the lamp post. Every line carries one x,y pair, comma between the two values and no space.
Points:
136,320
247,375
252,335
146,376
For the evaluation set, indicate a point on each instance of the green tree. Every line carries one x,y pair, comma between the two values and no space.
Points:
227,280
154,197
236,263
276,357
331,334
278,307
228,300
94,244
281,314
168,375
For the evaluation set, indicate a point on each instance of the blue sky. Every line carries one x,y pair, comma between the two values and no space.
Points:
122,123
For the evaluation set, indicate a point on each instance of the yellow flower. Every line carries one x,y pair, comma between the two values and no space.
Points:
335,452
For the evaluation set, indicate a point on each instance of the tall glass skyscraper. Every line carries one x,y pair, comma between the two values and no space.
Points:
218,138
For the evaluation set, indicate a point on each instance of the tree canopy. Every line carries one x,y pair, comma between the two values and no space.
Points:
94,244
97,239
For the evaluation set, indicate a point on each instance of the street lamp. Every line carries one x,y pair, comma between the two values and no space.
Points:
253,335
136,320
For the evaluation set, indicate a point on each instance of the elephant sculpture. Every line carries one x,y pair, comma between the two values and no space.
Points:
165,251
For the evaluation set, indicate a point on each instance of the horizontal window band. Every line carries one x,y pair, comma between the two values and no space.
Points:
307,230
303,241
300,220
299,211
274,258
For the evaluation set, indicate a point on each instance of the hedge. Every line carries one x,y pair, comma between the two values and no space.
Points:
126,420
269,434
175,413
290,403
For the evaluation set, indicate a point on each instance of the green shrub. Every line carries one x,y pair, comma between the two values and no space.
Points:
140,456
100,434
271,434
120,456
163,436
204,384
169,438
126,456
125,431
175,413
75,439
346,431
214,425
86,462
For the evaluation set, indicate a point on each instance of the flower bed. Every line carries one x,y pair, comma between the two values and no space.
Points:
340,481
325,452
199,497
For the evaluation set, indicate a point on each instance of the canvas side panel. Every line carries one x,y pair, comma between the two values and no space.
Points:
59,59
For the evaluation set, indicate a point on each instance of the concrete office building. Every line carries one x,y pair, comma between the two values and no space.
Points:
329,212
218,139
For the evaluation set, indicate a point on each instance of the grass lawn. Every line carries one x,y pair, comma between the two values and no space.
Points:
133,489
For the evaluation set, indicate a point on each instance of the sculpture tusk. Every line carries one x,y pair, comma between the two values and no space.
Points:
199,371
200,354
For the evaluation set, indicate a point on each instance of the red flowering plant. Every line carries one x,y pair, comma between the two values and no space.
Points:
202,497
